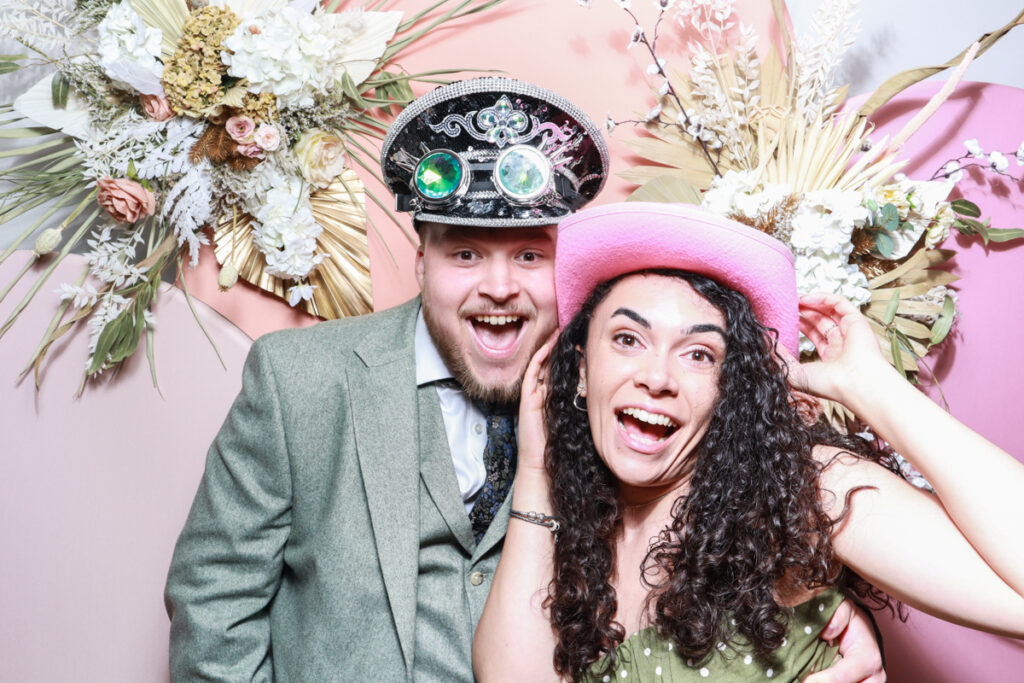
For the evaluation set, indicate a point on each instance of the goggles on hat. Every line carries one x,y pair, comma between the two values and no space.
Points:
521,174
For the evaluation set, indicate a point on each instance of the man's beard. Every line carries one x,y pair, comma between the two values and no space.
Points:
448,347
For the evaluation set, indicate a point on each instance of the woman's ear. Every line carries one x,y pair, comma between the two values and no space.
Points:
581,387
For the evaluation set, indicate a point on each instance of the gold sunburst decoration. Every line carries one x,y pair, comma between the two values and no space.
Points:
342,281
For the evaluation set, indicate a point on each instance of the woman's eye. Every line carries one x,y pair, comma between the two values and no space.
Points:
529,257
624,339
701,356
465,255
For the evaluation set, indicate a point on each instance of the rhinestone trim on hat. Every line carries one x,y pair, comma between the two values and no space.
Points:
506,85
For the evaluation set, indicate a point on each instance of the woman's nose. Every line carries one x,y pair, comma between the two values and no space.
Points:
656,376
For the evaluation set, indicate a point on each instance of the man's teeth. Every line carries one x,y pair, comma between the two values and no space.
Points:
650,418
496,319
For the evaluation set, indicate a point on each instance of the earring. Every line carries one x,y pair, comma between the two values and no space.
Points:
579,394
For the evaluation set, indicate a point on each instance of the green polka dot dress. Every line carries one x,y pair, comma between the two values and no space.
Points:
647,658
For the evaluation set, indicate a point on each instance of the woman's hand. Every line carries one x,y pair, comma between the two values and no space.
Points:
846,344
532,431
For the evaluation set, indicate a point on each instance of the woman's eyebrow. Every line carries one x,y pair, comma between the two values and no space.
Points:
706,327
634,316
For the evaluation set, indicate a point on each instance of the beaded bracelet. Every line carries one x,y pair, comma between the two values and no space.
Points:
540,518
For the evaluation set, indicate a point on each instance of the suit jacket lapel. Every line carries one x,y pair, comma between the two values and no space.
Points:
438,470
384,416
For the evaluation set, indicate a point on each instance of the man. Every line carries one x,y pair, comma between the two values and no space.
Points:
351,514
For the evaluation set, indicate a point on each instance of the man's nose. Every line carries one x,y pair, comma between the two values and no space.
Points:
499,281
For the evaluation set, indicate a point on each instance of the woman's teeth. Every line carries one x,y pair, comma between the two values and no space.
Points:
650,418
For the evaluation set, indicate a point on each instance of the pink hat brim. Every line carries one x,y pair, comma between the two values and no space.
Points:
600,243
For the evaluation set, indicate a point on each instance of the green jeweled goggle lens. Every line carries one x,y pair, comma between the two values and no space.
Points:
439,175
522,173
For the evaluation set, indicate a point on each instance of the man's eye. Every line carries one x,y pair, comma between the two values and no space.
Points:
530,257
465,255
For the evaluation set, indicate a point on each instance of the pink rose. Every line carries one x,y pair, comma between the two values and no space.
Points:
240,128
125,200
267,137
156,107
252,151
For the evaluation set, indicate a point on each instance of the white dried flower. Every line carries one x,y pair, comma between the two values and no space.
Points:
953,171
624,4
997,161
609,123
285,231
129,50
653,113
663,88
638,35
299,293
974,149
1020,155
655,69
938,230
285,52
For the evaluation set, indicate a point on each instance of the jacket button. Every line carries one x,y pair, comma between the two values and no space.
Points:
476,578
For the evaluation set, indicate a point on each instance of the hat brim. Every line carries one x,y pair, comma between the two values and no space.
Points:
601,243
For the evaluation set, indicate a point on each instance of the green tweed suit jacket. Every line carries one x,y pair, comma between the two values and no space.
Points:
298,561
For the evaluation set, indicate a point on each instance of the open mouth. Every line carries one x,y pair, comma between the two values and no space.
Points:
645,427
497,334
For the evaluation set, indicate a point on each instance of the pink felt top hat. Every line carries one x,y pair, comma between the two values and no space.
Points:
600,243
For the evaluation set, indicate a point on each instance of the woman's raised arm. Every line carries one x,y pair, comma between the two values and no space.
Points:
957,555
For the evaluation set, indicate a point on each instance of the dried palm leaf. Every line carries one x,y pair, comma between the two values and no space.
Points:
341,282
167,15
666,189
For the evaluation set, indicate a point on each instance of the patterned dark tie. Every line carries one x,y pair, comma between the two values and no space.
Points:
500,461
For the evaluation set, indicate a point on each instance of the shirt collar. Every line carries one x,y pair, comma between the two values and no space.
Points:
429,365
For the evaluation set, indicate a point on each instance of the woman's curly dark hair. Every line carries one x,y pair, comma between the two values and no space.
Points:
752,516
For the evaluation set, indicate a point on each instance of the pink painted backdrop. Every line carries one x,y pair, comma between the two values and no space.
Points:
93,492
982,386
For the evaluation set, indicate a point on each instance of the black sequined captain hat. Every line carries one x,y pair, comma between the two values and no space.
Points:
493,152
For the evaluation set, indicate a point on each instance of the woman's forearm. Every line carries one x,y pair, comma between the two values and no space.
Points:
980,485
514,640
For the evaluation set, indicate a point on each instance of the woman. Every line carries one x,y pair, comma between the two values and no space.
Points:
695,508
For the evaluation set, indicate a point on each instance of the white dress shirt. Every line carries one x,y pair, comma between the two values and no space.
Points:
464,423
